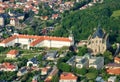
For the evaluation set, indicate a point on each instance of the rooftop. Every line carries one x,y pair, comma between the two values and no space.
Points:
67,76
37,38
34,60
13,52
114,71
99,33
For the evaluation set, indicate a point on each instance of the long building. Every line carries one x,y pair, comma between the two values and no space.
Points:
37,41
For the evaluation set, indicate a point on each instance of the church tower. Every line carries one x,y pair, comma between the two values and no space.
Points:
71,37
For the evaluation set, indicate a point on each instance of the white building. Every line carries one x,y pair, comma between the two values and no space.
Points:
112,79
12,54
37,41
33,61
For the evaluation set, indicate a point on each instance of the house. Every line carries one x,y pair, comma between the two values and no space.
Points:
86,61
99,79
22,71
51,55
44,17
112,66
96,62
44,71
33,61
67,77
38,41
99,40
113,71
35,78
55,16
53,72
117,60
6,66
112,79
12,54
82,43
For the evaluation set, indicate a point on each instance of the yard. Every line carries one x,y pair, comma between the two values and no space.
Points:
116,13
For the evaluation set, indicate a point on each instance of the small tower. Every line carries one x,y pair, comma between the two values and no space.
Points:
1,20
71,37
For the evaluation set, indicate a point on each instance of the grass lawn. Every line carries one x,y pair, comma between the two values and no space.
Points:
28,56
116,13
1,58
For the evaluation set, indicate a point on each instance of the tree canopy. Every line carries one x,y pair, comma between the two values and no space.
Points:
83,22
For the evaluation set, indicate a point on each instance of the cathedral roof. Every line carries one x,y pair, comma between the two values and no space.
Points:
99,33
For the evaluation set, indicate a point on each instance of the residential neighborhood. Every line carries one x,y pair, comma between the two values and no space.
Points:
59,41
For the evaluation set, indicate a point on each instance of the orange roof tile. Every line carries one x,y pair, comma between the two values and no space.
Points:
117,59
44,70
38,38
13,52
114,71
57,38
8,65
9,39
67,76
28,36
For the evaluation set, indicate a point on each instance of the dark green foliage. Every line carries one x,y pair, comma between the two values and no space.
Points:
81,71
55,78
9,76
83,22
1,49
82,50
64,67
108,57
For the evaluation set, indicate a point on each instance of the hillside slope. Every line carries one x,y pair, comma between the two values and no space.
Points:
84,22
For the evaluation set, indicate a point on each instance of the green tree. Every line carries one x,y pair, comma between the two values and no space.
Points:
65,67
91,76
108,57
82,50
1,49
81,71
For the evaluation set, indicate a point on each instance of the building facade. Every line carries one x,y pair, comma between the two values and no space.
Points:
12,54
2,21
98,42
37,41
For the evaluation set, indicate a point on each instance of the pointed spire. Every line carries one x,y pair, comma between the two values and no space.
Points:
99,32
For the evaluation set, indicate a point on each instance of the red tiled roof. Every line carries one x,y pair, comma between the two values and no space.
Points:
67,76
8,65
9,39
13,52
44,70
114,71
54,15
36,41
38,38
28,36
